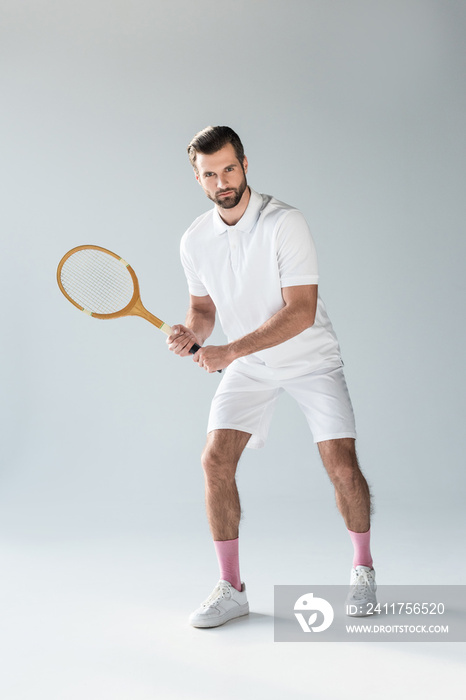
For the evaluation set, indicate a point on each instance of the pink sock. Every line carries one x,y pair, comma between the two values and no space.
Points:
362,548
228,559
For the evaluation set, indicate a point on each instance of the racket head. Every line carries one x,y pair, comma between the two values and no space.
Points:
98,282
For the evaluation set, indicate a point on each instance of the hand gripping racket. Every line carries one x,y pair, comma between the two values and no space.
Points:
104,286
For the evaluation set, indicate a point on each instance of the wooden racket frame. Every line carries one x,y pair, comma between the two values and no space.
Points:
133,308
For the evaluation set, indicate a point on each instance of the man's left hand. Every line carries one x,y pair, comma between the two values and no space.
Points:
214,357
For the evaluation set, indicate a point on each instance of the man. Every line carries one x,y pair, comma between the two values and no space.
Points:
252,259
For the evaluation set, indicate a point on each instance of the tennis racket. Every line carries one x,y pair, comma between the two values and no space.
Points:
103,285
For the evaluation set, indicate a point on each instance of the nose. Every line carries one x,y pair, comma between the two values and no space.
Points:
222,181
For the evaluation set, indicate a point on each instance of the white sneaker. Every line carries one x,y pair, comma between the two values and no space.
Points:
223,604
361,599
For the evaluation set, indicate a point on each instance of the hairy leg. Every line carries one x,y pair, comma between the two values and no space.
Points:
351,489
220,458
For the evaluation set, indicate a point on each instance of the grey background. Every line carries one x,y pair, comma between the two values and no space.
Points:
352,111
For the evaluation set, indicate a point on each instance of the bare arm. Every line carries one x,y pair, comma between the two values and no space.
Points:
199,324
297,314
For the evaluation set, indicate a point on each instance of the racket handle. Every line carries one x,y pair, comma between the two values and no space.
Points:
197,347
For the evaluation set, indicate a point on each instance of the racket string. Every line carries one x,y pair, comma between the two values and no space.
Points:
104,280
97,281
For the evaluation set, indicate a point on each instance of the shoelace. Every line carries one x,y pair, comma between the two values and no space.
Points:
218,593
360,587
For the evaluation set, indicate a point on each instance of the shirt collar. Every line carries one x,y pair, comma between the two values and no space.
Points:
247,221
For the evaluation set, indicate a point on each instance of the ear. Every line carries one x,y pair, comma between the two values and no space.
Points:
196,175
245,164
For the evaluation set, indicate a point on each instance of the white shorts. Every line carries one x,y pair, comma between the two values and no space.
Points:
245,403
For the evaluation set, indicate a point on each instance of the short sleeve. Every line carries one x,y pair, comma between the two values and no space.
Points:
195,286
296,253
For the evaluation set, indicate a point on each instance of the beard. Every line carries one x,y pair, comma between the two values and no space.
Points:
231,200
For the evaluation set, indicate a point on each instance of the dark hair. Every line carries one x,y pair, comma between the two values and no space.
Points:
212,139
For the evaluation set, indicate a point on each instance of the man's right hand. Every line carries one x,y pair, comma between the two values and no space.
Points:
181,340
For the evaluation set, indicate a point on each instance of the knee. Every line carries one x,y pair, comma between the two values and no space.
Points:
216,464
342,465
208,460
345,477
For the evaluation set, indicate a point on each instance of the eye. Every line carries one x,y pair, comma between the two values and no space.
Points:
208,174
230,167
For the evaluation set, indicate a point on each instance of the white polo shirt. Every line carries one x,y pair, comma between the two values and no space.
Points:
243,268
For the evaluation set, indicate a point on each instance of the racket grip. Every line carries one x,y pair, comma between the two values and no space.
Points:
197,347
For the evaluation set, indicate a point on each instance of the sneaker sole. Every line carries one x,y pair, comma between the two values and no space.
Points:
217,622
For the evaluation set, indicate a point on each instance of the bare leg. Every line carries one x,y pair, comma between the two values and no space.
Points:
219,460
351,490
